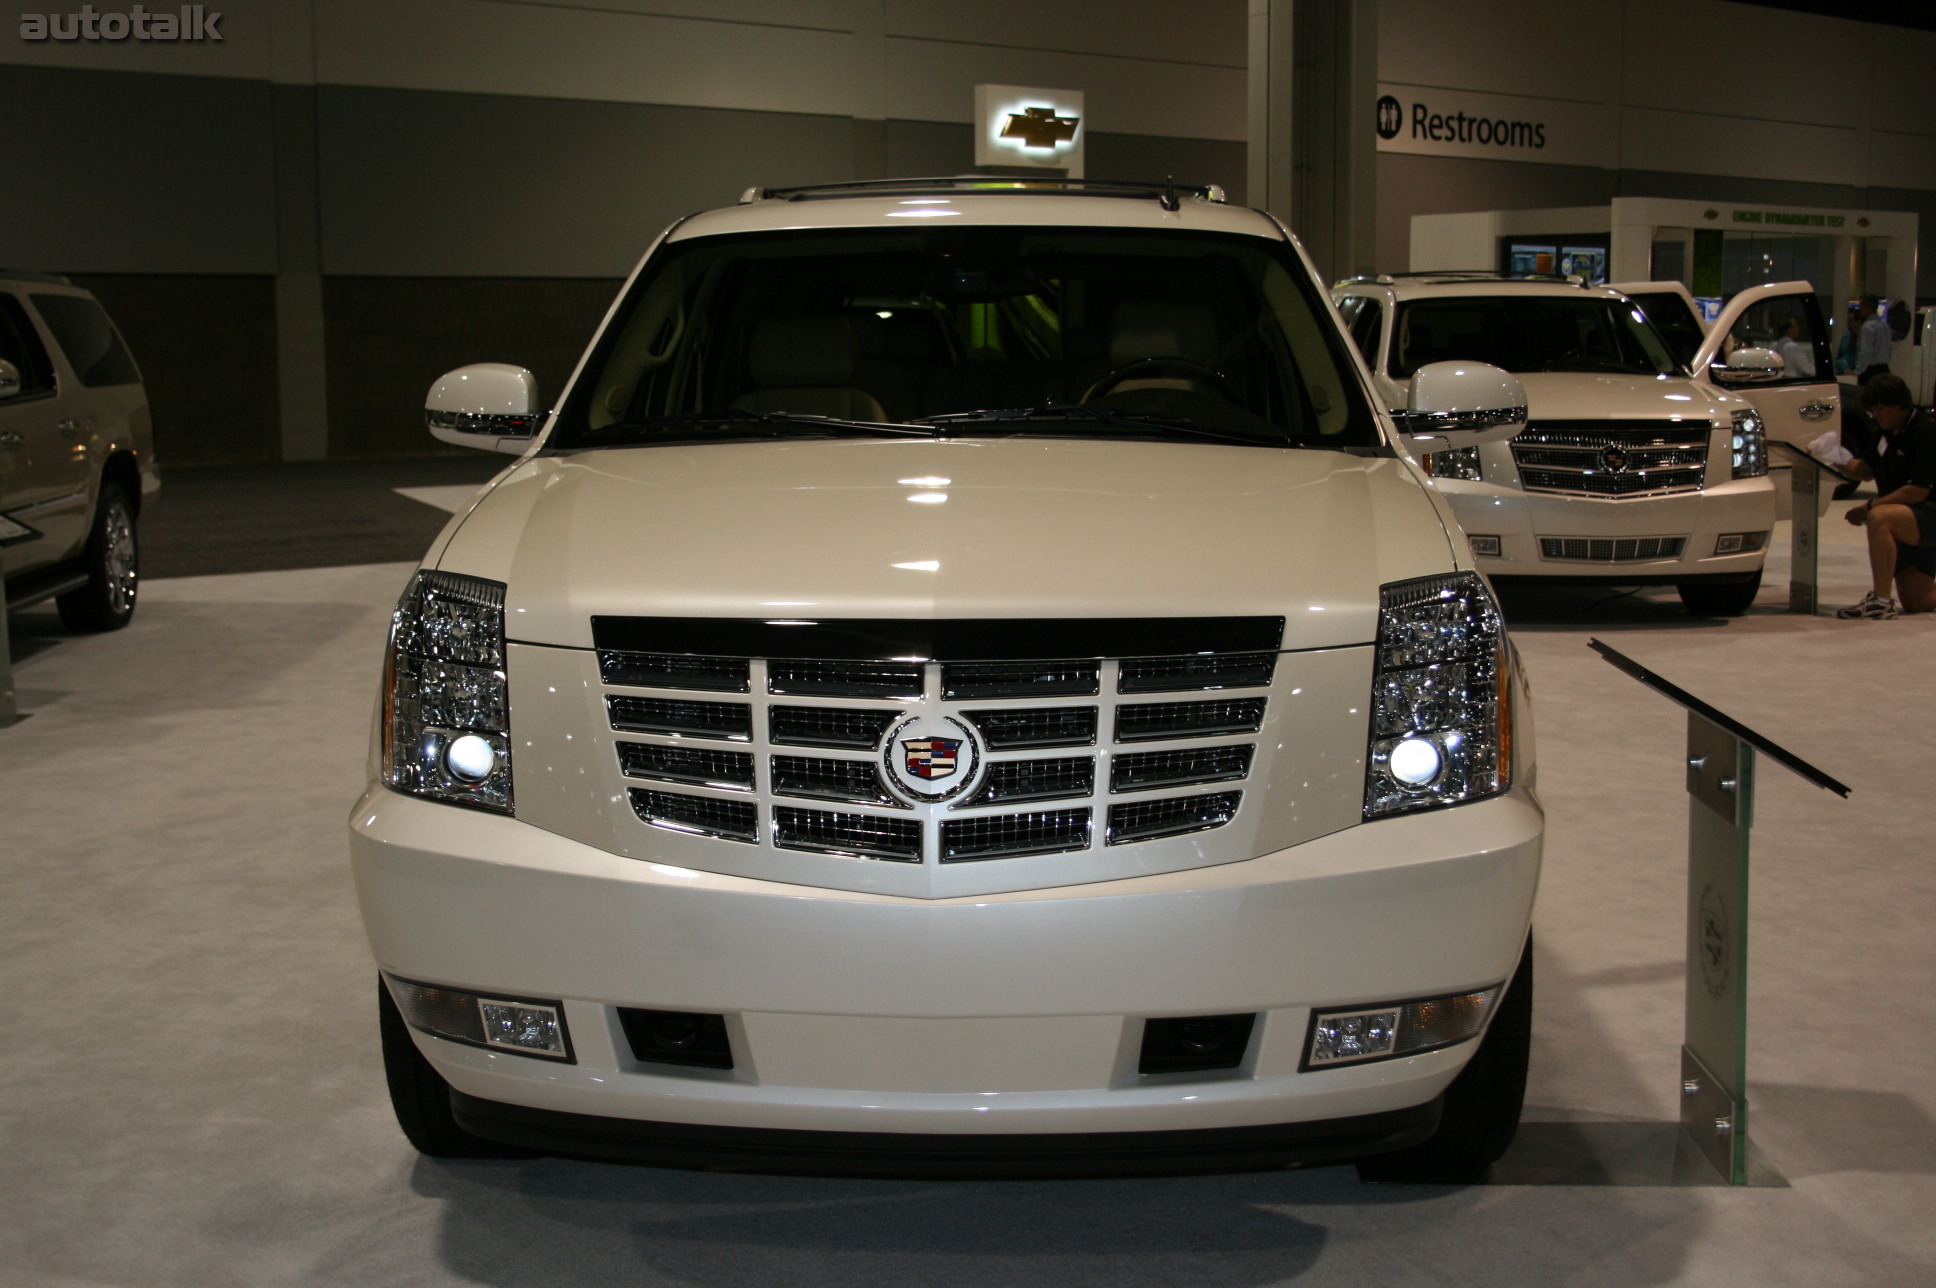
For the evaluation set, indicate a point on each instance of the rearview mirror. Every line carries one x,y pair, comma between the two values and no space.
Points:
1462,404
491,406
1750,366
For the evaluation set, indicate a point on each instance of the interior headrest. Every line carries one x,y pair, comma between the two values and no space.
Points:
1162,329
789,353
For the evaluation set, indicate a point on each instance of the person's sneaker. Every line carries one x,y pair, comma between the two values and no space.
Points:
1872,608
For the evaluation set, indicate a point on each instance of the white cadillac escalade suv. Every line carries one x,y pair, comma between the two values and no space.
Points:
964,679
1631,469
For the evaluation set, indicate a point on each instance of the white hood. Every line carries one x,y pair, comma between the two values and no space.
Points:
1010,527
1575,395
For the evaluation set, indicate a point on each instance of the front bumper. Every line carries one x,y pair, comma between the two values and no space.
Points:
1521,519
990,1016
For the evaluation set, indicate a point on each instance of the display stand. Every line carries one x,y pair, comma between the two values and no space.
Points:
1721,754
1805,515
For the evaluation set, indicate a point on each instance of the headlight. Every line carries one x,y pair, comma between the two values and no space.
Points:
1441,718
1453,463
1749,445
446,711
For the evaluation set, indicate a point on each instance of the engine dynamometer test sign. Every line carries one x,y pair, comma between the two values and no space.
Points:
1019,127
1496,127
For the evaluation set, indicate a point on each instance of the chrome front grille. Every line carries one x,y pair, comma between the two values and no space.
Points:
1602,458
1611,549
832,756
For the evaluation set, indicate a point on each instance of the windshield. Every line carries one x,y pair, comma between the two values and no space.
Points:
1677,324
1143,333
1529,333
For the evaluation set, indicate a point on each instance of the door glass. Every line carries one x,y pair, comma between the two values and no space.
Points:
1791,325
20,344
1364,329
85,335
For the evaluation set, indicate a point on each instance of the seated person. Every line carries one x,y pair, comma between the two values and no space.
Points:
1901,521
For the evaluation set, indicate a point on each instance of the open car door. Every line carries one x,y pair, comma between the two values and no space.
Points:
1671,308
1770,346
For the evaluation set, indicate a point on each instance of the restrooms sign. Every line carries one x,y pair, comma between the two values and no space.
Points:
1498,127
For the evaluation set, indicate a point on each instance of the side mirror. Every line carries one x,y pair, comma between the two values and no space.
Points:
1462,404
1750,367
488,405
9,379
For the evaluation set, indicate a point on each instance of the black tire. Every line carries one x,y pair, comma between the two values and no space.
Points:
1724,599
1481,1106
113,559
421,1097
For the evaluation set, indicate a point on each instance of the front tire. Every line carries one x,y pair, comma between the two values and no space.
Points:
1726,599
1481,1106
421,1097
113,561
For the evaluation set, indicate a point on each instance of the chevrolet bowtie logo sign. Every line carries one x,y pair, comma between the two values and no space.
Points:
1040,127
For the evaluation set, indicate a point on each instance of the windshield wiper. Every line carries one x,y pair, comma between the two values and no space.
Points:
1021,416
778,421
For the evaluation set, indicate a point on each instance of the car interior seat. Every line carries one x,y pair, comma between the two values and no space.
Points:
1144,329
807,365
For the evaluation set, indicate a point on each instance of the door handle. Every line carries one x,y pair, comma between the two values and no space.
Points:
10,439
1818,411
69,429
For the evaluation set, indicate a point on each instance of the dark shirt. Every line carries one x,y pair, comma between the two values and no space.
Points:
1910,457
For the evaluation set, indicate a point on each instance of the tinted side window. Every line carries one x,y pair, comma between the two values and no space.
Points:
1364,330
85,335
1675,322
1791,325
20,344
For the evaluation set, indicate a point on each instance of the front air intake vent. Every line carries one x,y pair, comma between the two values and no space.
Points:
670,715
1146,721
1611,549
1145,769
1146,820
1173,674
701,815
1008,836
702,766
864,836
846,727
1037,727
884,680
665,671
1037,780
980,681
852,781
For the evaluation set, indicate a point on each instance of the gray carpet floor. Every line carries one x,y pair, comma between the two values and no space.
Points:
190,1092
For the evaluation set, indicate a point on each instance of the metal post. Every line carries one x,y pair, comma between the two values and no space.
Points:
9,712
1805,518
1714,1049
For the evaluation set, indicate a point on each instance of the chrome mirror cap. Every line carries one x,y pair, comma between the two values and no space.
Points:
1751,366
492,406
1463,404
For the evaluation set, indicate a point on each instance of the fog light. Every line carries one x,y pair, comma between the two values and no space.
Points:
1488,546
1416,762
470,758
1728,543
1395,1029
522,1025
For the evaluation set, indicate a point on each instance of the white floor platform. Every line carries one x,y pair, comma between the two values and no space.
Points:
190,1092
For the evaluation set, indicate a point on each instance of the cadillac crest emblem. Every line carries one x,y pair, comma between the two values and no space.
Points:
931,757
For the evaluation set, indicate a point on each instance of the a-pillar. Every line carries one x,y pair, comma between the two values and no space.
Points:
1313,116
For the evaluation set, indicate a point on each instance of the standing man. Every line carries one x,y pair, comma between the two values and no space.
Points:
1902,519
1874,345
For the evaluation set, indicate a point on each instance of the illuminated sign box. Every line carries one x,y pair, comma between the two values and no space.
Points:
1021,128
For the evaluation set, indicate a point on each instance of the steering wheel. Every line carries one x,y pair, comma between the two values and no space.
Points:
1143,368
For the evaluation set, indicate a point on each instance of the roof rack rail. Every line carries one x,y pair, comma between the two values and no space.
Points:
22,275
1167,191
1365,279
1493,275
